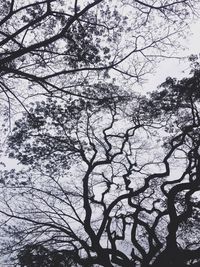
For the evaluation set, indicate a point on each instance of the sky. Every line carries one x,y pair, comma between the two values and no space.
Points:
174,67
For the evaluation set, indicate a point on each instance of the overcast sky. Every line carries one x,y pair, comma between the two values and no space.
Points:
174,67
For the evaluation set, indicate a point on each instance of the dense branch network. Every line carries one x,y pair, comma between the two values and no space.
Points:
97,183
93,188
56,47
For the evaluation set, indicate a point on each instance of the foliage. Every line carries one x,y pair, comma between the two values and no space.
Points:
38,256
106,177
91,185
55,47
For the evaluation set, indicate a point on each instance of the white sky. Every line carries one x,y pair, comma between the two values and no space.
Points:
174,67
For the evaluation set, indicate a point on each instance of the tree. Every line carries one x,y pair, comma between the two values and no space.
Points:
95,183
38,256
58,47
89,186
64,48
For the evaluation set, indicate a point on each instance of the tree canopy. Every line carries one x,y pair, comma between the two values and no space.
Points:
106,176
57,47
115,182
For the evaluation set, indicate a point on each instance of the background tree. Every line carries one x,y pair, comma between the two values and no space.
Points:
107,192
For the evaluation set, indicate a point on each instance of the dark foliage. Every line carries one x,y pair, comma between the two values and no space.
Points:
39,256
